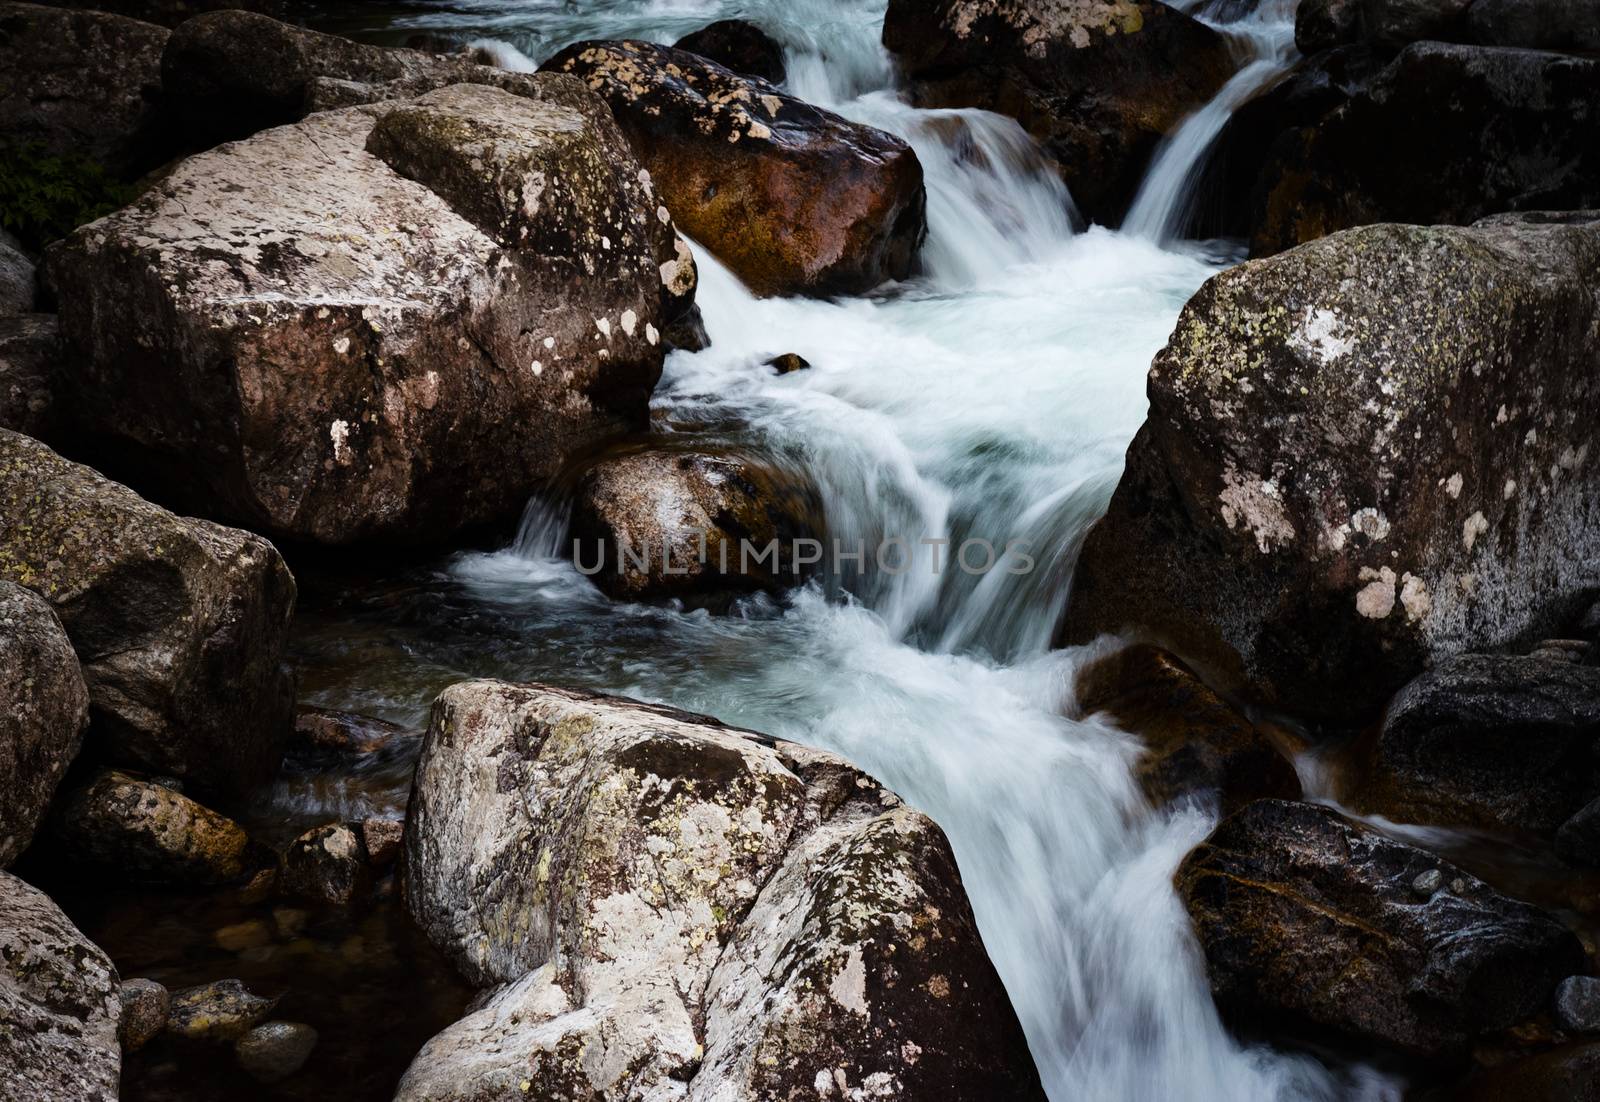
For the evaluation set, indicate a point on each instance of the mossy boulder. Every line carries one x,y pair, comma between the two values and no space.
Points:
793,198
139,831
660,900
1362,457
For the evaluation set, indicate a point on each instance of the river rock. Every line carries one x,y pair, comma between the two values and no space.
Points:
30,358
1195,743
326,864
329,735
217,1012
144,832
44,708
273,1051
1098,82
1567,1074
1578,1004
666,907
59,1004
179,624
382,840
82,83
1362,457
426,308
1498,741
698,522
18,286
794,199
145,1007
1571,25
1308,919
741,46
1445,134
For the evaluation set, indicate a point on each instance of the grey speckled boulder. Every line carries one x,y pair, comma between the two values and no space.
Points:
669,908
1363,456
59,1005
43,710
30,355
179,624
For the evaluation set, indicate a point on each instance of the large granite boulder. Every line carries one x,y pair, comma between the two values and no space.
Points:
43,710
670,908
82,83
139,831
1309,920
383,322
1098,82
171,13
793,198
179,624
1445,134
59,1005
666,522
1363,456
30,357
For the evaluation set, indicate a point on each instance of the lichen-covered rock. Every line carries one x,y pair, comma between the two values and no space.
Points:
59,1005
1490,740
1363,456
43,710
326,864
1195,744
1307,919
666,522
741,46
1445,134
1098,82
30,357
179,624
423,308
18,285
794,199
141,831
82,83
682,910
216,1012
145,1007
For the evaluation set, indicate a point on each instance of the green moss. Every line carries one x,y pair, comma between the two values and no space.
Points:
45,197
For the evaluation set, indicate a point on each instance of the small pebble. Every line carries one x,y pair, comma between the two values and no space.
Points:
1578,1004
275,1050
145,1005
1427,883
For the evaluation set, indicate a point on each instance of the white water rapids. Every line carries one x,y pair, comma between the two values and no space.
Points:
992,397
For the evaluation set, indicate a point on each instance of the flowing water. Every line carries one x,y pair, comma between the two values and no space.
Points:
992,397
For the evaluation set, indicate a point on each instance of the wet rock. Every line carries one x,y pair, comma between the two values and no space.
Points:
688,333
179,624
1362,457
144,832
59,1004
1307,919
145,1006
217,1012
1568,1074
427,308
82,83
662,522
1445,134
1569,25
30,355
1497,741
1576,651
788,363
326,734
326,864
242,936
17,284
692,902
1195,743
1578,839
741,46
1098,82
794,199
1324,24
171,13
1578,1004
43,710
273,1051
382,839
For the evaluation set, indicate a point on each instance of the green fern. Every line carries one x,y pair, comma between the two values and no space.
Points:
44,196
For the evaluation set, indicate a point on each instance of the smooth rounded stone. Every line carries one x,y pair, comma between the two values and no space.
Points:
145,1007
788,363
561,847
1099,83
1362,457
43,710
1309,920
144,832
1195,744
30,362
273,1051
239,936
382,839
1578,1004
665,522
1486,740
741,46
1427,883
413,354
328,736
290,922
18,286
793,198
217,1012
83,84
180,624
328,865
59,1004
1446,133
